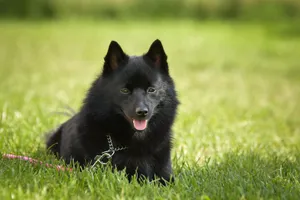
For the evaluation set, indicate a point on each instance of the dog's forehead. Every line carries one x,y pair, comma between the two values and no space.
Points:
139,73
136,61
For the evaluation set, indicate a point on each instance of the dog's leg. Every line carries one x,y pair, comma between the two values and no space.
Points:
164,173
163,166
53,141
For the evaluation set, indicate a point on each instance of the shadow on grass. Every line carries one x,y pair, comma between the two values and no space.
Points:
248,175
287,29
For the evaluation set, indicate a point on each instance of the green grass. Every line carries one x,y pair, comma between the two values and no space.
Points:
237,134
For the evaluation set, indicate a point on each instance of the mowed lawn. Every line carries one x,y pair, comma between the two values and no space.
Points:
237,134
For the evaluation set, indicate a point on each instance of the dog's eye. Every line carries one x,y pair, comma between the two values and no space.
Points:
125,91
151,90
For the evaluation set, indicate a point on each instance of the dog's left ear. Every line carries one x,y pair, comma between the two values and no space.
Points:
157,55
114,57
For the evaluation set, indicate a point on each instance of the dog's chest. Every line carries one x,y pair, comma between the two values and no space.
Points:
144,164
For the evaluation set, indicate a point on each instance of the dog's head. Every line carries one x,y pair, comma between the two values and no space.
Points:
138,87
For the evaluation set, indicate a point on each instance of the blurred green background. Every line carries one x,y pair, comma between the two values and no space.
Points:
155,9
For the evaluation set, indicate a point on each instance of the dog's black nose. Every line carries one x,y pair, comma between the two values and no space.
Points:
141,112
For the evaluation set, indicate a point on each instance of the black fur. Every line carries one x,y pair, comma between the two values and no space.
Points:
109,109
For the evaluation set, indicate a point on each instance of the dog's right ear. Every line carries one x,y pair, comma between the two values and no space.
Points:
114,57
157,55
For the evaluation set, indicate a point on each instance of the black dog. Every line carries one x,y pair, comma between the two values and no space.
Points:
129,111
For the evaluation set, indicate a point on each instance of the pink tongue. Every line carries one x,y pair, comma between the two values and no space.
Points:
139,124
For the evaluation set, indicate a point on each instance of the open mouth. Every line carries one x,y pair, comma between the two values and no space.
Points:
140,125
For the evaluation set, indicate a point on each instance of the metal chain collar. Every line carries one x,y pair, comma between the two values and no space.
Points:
105,156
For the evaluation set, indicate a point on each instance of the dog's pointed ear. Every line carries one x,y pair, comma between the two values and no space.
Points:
114,57
157,55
